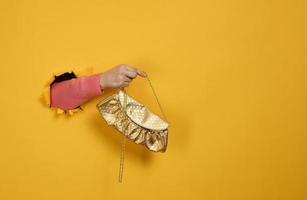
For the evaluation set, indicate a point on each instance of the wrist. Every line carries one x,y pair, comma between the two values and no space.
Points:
103,82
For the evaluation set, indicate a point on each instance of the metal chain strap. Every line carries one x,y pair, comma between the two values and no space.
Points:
123,145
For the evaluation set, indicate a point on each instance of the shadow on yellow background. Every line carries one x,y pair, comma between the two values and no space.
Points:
231,76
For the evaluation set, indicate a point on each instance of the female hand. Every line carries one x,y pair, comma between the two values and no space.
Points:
120,76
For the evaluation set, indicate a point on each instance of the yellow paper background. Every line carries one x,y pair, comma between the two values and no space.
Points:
231,76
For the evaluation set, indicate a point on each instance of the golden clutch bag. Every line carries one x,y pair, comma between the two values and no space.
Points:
135,121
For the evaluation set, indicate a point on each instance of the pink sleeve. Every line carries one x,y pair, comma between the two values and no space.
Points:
72,93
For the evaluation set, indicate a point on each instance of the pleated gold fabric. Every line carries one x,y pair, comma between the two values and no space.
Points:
135,121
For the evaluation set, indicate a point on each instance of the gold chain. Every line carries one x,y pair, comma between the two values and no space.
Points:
122,159
156,96
123,145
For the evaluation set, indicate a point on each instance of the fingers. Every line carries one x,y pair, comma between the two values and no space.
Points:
138,71
141,73
133,72
127,73
130,74
126,79
125,84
